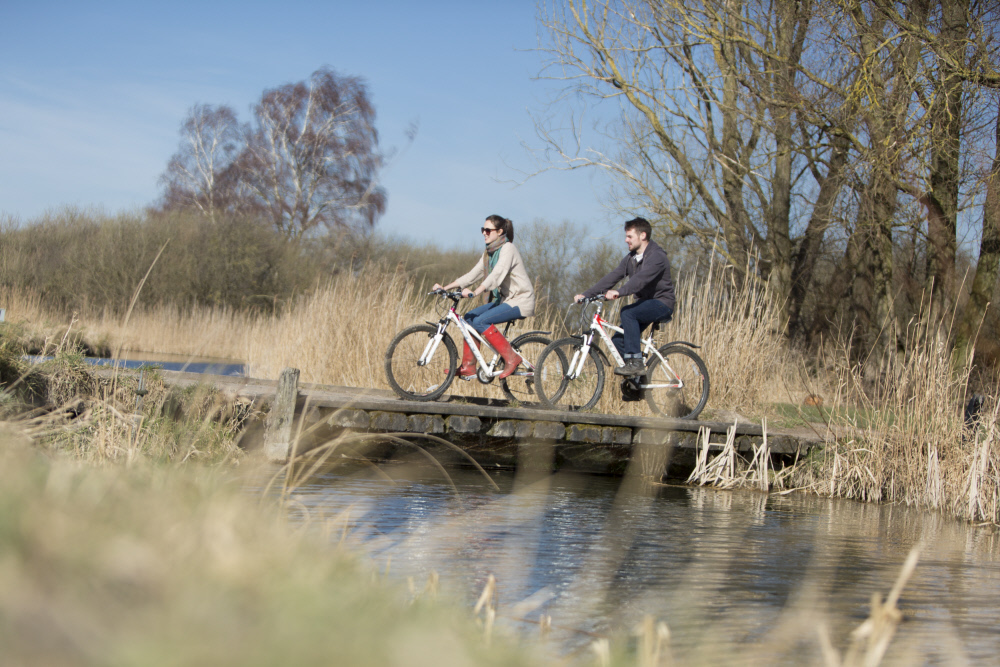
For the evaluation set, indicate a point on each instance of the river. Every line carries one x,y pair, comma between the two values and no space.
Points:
169,362
728,571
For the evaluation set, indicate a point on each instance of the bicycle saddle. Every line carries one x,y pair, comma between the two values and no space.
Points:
657,323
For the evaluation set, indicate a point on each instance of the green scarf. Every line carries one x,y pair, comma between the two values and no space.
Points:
490,259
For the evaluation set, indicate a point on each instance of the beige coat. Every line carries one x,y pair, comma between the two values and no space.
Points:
510,276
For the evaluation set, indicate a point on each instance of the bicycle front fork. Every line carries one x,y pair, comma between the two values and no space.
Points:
430,349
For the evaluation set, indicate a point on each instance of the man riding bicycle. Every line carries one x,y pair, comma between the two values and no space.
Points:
646,269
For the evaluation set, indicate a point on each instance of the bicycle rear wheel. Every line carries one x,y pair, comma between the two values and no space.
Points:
520,386
555,389
409,378
679,387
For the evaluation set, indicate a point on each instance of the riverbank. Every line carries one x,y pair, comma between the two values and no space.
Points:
131,542
129,547
909,438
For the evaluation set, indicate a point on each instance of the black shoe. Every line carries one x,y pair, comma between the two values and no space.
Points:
633,366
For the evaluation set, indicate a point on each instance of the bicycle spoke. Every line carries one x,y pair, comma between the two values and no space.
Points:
520,386
413,378
555,386
678,386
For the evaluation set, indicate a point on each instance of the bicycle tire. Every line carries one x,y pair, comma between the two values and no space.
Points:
555,390
411,381
520,386
686,402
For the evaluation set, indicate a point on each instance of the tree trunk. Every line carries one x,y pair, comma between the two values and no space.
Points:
869,253
809,248
946,145
736,225
986,269
790,29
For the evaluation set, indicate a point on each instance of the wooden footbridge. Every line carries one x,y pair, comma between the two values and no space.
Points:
489,431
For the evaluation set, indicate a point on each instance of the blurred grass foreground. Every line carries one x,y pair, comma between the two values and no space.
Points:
130,538
126,536
147,565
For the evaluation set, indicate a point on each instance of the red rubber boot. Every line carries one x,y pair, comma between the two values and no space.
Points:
511,359
468,366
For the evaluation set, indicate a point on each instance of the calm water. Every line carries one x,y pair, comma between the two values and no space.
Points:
168,362
718,566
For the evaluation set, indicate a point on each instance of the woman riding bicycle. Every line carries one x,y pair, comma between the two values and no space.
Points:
512,296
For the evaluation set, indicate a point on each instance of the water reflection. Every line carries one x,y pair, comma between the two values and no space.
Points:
721,568
168,362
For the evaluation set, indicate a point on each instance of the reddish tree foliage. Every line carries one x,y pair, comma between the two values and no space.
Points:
308,160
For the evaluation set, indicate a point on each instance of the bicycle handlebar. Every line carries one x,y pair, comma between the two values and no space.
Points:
590,299
456,294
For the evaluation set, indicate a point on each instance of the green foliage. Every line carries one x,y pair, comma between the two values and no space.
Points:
790,415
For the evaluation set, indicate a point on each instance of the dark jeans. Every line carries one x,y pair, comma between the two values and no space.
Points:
635,318
491,313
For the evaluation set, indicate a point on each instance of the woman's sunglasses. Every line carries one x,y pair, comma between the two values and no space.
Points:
487,230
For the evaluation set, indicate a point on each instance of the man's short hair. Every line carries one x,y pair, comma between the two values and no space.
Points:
640,225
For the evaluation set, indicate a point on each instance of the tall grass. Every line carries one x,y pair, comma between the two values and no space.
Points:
910,443
153,566
179,565
197,331
23,304
339,333
737,324
176,565
909,439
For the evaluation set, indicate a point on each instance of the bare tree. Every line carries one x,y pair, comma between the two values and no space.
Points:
985,279
960,41
724,129
311,156
308,160
198,175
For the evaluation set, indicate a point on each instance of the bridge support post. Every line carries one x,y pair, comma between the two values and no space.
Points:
278,432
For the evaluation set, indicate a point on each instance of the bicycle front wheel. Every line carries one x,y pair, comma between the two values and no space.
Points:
415,368
552,382
520,386
677,386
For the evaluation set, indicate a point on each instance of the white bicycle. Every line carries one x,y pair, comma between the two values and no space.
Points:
422,360
570,371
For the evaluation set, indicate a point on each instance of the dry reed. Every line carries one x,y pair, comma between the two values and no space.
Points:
196,331
338,333
911,441
911,446
146,565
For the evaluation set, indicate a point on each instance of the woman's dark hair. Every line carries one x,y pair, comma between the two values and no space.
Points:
640,225
504,225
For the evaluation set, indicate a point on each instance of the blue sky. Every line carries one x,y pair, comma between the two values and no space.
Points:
92,96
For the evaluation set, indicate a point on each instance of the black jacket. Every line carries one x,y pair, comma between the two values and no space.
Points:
648,279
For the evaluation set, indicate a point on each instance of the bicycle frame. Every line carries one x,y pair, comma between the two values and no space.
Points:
471,336
599,327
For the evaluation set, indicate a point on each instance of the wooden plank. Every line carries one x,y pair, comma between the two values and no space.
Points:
332,396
